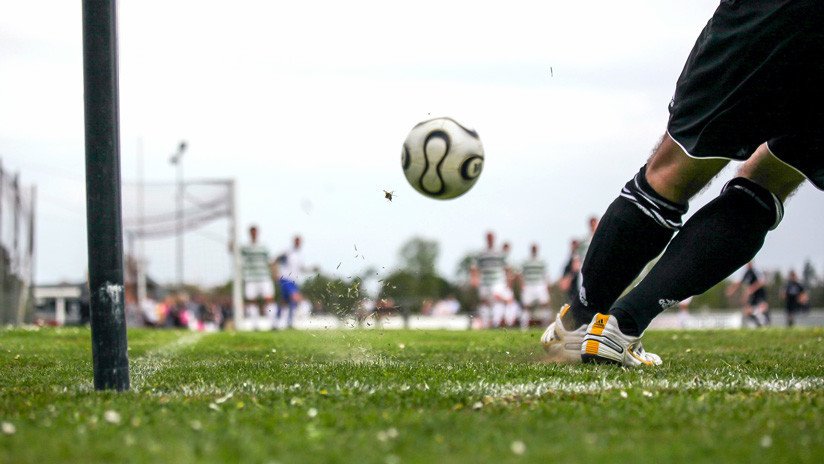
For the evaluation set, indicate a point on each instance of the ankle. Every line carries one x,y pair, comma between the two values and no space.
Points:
576,316
626,322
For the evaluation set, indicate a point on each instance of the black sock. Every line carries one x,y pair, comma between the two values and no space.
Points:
754,318
626,322
721,237
635,229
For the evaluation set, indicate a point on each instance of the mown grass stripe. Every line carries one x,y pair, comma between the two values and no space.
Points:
497,389
159,359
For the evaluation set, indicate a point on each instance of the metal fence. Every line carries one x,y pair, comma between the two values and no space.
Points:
17,204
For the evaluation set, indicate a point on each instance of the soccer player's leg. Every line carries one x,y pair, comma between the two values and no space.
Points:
294,301
754,310
527,306
289,290
484,307
748,314
498,312
637,226
533,303
267,292
498,301
776,93
730,230
251,297
763,312
511,307
526,315
512,311
791,311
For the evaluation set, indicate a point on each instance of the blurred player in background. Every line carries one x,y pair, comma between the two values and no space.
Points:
506,249
754,296
290,274
258,289
511,307
750,91
570,280
488,272
795,297
583,245
446,307
535,287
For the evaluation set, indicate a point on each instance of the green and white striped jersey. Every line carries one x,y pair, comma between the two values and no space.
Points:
534,272
492,266
255,263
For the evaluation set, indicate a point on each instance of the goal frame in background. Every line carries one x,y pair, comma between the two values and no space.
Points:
17,247
141,227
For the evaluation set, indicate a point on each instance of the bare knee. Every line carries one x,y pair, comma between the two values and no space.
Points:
771,173
676,176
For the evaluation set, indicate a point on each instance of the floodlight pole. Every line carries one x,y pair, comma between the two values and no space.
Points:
177,160
103,210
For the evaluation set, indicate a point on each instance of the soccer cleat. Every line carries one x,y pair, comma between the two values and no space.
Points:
563,346
605,343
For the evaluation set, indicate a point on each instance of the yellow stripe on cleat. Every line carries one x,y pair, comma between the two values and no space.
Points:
643,361
564,310
591,347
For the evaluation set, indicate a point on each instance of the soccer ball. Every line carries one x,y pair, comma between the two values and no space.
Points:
441,158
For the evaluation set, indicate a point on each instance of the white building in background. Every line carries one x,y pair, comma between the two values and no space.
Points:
60,304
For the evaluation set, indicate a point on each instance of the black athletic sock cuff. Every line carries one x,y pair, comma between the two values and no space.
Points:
763,197
641,180
664,212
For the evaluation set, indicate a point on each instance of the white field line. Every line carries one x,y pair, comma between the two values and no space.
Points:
158,359
482,388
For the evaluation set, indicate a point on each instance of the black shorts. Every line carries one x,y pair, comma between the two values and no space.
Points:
755,75
757,298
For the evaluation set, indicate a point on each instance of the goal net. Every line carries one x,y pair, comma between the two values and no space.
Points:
181,237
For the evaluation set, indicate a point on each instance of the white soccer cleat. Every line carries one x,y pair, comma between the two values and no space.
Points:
563,346
605,343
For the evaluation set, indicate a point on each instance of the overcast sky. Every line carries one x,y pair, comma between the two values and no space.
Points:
306,105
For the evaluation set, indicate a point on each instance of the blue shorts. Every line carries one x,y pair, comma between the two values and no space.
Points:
288,288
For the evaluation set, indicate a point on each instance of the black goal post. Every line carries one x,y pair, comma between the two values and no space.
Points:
103,210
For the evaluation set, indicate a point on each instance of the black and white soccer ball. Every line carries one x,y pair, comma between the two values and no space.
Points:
441,158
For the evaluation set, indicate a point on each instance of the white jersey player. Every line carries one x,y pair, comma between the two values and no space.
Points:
291,272
512,308
489,275
535,285
257,278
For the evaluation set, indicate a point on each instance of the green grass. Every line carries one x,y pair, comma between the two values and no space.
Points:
372,396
